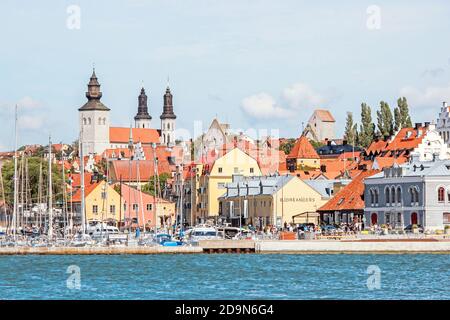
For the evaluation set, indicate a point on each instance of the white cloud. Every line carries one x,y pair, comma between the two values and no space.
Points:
30,122
263,106
300,96
28,103
428,97
296,100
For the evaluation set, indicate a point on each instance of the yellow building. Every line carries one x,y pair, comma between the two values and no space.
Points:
303,156
102,202
272,200
214,178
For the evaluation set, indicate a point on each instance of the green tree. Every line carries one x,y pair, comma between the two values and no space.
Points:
351,131
385,122
397,119
367,127
33,177
149,188
405,118
287,146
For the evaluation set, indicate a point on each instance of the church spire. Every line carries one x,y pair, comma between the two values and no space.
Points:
168,106
142,118
94,95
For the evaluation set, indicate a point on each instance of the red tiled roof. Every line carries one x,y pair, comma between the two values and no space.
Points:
324,115
377,146
122,135
121,169
303,150
351,196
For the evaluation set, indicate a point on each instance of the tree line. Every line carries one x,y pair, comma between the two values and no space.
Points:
388,122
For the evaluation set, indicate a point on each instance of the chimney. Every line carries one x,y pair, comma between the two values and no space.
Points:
444,105
417,125
328,143
427,124
344,142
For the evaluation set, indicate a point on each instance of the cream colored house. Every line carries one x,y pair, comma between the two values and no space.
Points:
270,200
215,176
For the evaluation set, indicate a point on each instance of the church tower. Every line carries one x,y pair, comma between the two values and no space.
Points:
142,118
168,120
94,120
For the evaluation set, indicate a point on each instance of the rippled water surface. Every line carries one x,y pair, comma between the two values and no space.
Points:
225,276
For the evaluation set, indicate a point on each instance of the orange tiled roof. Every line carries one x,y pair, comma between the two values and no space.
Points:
88,188
122,135
325,115
377,146
406,138
351,196
303,150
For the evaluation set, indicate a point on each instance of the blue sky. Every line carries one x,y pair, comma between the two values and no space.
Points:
254,64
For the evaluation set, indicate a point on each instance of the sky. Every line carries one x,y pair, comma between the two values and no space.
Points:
256,64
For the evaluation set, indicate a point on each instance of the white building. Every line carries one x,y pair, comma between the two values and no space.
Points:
443,123
97,134
320,126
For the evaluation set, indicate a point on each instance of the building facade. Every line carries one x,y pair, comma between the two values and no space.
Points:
417,192
214,177
269,200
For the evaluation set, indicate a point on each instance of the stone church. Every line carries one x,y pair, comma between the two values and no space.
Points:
98,135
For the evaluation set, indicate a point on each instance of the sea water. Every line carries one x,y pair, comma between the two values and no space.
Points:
226,276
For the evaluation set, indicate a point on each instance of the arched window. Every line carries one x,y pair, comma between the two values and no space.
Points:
393,195
387,194
168,126
441,194
168,138
104,121
84,121
372,196
399,195
89,121
376,195
164,138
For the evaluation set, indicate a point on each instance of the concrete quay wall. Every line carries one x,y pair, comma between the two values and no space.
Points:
327,246
97,250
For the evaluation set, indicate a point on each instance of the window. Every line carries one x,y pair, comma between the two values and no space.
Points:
124,207
220,169
149,207
441,193
252,170
393,195
112,209
135,207
236,170
399,195
387,195
95,209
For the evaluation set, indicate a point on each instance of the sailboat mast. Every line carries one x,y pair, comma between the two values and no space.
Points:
64,200
83,222
14,217
50,191
40,196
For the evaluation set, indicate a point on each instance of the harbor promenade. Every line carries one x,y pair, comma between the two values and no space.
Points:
359,246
